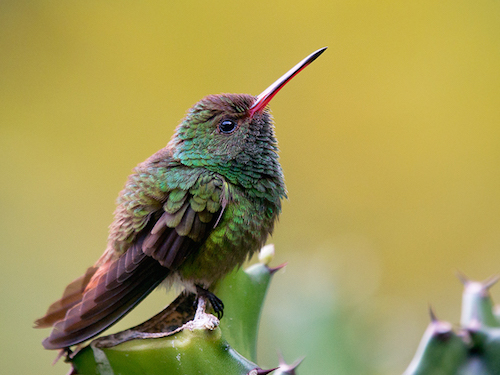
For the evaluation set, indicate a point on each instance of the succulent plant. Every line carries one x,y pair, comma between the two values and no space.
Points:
471,349
178,341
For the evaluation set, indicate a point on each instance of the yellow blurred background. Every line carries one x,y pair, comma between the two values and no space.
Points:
389,143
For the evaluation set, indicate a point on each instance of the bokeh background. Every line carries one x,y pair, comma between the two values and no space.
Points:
389,142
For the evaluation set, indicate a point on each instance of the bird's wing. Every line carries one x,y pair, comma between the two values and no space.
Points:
187,217
114,290
158,230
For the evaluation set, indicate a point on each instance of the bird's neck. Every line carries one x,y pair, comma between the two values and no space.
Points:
260,177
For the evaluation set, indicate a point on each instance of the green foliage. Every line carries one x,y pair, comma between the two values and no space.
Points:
472,349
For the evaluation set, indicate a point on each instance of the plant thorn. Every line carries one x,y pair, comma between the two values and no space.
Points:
463,279
488,283
432,314
272,270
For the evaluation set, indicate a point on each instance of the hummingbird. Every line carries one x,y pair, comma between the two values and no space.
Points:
187,215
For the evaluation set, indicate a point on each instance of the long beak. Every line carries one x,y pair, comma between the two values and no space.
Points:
265,97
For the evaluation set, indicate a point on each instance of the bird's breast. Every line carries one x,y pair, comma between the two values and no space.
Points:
243,228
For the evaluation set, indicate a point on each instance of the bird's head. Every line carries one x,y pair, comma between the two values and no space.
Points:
233,134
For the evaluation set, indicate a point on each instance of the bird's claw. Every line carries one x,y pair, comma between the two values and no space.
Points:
215,301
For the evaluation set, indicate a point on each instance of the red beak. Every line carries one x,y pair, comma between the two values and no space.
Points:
265,97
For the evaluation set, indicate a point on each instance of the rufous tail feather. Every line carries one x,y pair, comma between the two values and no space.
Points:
111,293
71,296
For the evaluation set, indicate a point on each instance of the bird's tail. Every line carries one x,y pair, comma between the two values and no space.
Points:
101,297
71,296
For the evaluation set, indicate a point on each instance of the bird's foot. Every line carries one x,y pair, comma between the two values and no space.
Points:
201,319
216,302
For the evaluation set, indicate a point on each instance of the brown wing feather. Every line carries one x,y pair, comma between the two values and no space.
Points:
122,284
105,294
175,236
109,299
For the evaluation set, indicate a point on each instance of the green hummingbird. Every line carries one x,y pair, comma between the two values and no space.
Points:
189,214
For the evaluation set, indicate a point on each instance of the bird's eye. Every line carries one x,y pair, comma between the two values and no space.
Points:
227,126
